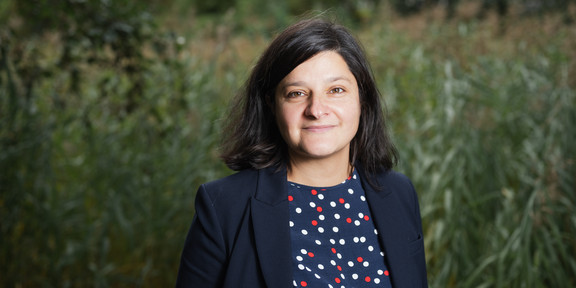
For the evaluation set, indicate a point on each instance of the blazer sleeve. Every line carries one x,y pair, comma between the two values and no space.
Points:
203,259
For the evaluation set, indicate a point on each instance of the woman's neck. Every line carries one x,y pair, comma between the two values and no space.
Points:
319,172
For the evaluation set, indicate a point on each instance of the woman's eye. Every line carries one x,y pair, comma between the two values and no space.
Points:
337,90
294,94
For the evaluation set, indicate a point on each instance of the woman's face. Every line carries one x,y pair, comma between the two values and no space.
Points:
318,108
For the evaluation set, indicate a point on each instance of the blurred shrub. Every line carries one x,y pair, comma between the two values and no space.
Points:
100,134
211,7
407,7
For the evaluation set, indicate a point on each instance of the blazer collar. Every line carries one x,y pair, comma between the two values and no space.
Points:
386,220
272,186
270,216
378,180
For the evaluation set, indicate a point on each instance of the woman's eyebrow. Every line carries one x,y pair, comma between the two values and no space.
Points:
337,78
294,83
327,80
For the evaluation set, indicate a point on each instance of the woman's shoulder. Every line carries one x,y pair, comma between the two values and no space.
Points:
236,187
241,177
386,177
392,176
391,181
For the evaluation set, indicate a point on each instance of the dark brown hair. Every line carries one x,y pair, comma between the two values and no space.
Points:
252,139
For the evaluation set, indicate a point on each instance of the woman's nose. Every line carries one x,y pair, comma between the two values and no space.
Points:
316,107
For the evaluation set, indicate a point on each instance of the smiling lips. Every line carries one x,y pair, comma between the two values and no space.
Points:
319,128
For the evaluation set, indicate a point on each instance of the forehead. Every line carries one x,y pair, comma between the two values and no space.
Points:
326,66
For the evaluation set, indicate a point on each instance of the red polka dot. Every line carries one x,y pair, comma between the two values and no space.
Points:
319,209
322,189
360,259
337,280
314,192
314,222
290,198
303,283
310,254
366,217
339,268
341,201
334,250
386,273
348,220
367,279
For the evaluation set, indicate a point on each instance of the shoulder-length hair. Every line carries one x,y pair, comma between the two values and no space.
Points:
252,139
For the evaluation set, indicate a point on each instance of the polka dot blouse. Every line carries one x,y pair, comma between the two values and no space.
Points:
334,241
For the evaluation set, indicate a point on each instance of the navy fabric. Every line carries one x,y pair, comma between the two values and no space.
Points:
240,234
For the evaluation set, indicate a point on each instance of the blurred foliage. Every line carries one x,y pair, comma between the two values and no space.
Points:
110,116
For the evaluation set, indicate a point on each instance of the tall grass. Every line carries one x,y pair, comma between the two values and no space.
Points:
489,142
94,196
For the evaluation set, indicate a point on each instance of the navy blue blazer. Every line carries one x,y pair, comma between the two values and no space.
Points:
240,235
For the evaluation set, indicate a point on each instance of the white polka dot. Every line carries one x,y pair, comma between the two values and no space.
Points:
317,276
370,248
354,176
339,256
332,241
303,251
304,232
294,283
335,229
299,258
291,224
360,215
320,243
300,266
320,266
382,254
380,272
350,263
308,269
366,263
320,196
342,275
362,239
298,210
333,262
356,239
342,241
350,191
362,198
354,276
337,216
330,286
312,204
357,222
347,205
376,280
333,204
320,229
321,217
375,231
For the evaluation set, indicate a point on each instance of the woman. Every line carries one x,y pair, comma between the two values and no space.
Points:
315,202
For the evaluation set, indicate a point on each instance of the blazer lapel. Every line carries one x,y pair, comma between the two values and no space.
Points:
385,214
270,216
